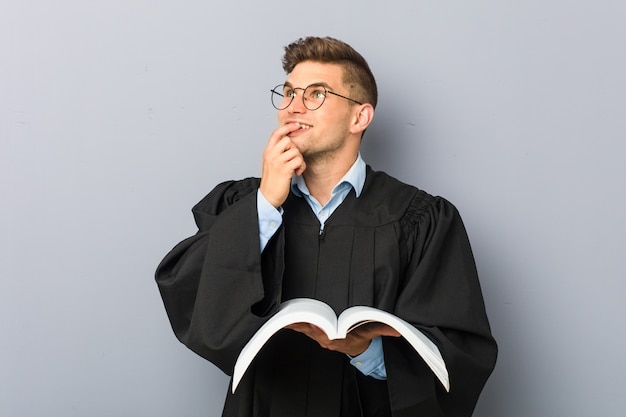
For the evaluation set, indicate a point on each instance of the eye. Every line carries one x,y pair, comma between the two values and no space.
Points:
316,93
289,92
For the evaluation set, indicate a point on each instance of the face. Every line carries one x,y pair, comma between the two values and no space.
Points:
325,131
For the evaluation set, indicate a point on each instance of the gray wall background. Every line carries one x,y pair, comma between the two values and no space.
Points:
117,116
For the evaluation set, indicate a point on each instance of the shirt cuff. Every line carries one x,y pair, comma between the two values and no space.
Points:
372,361
270,219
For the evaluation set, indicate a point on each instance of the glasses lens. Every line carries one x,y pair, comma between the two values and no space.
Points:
314,97
281,96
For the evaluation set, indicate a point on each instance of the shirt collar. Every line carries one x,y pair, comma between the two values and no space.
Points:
355,177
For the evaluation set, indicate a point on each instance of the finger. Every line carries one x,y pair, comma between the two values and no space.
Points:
372,330
295,161
301,168
310,330
289,157
281,132
284,144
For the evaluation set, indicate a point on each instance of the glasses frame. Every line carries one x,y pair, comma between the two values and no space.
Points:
326,92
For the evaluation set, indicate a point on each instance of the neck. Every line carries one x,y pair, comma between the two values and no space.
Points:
323,174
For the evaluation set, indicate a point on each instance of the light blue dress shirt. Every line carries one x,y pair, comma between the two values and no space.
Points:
371,362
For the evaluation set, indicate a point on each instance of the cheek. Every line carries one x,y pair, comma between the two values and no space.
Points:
338,123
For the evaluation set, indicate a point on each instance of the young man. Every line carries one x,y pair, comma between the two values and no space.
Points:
319,223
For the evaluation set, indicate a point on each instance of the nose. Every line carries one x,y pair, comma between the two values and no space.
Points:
297,104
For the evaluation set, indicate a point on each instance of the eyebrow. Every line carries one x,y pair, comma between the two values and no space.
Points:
321,83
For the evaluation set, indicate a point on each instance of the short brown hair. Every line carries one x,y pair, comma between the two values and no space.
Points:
357,75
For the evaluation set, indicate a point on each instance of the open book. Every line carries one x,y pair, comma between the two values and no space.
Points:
306,310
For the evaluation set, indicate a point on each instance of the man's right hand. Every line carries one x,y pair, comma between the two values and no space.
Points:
281,159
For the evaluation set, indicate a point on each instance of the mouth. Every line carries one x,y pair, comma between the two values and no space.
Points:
302,127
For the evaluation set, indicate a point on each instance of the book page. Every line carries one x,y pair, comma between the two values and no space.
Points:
355,316
299,310
305,310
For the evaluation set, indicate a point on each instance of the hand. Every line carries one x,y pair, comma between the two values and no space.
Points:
281,159
355,343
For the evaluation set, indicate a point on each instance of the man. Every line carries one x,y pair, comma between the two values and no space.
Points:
319,223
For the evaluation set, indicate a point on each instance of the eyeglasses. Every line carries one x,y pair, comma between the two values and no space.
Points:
313,96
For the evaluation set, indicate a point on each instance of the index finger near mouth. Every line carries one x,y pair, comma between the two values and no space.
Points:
290,127
281,133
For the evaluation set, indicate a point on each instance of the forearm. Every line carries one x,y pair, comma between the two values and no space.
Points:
211,282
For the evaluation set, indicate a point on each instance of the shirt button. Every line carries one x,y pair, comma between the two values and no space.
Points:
273,225
359,364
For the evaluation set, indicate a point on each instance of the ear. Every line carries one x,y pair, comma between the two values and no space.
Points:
362,118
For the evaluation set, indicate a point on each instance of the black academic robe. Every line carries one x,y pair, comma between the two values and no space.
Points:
394,247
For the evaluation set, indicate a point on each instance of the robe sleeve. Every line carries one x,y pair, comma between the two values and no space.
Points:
216,286
440,294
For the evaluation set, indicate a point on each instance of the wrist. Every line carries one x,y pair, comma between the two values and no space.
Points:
270,199
359,350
